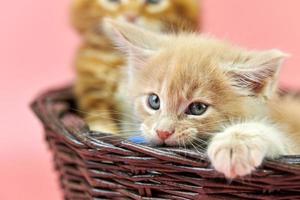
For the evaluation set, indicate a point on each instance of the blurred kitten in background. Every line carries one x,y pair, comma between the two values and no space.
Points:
98,63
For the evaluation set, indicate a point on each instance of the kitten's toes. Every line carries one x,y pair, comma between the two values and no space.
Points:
235,157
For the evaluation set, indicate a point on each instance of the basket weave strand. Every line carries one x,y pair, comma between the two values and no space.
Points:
102,166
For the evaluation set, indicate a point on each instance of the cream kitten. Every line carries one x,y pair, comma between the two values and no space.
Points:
187,86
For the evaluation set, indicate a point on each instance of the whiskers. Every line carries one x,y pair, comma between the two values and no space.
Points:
198,143
198,136
193,137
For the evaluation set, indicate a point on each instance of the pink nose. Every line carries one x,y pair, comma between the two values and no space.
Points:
164,134
131,17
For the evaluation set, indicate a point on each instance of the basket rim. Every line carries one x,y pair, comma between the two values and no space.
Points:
82,137
87,162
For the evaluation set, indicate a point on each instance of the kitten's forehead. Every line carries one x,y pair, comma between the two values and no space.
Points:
187,69
181,77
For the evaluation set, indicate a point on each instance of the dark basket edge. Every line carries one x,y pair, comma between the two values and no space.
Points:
84,138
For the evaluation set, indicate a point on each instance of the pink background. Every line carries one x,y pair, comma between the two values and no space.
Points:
36,52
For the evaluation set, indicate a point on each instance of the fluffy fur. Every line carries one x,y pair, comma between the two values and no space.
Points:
98,63
245,120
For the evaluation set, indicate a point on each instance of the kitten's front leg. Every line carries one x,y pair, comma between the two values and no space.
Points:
240,148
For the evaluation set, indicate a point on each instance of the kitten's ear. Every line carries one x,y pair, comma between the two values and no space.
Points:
137,43
258,76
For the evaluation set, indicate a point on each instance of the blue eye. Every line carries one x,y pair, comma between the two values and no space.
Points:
196,108
153,1
153,102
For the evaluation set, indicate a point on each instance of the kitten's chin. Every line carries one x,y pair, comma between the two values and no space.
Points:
149,25
156,142
170,142
142,23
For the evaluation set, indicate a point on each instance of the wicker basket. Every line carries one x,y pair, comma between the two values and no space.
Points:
109,168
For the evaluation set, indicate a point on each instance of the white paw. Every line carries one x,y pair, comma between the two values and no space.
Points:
235,154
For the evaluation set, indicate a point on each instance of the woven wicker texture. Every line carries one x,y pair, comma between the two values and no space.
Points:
100,166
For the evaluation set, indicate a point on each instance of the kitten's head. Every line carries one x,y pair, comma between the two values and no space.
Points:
187,85
157,15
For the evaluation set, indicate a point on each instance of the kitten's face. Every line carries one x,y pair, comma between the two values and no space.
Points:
179,97
186,86
150,14
144,13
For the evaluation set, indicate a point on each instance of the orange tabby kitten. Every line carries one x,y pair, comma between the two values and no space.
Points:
188,86
98,63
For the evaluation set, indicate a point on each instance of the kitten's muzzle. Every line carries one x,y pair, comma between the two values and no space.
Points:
164,134
131,17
